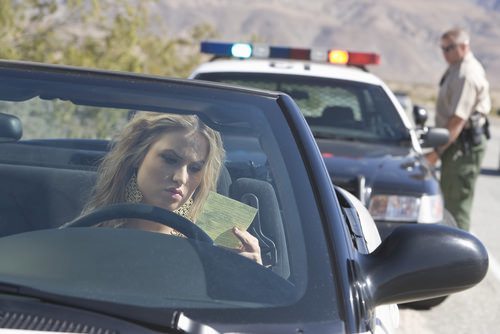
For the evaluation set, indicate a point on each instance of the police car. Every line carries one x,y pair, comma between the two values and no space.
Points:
369,144
367,140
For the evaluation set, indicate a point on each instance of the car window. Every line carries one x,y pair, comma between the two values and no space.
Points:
62,165
333,108
45,119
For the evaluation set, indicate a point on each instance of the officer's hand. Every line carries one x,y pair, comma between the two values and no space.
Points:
432,158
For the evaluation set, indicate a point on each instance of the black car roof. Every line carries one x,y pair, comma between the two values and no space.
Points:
34,68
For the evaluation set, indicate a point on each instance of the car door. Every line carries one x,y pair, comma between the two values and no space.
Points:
365,239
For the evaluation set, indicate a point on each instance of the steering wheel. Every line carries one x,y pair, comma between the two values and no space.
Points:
141,211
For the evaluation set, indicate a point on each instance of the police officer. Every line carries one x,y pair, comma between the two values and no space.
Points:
462,105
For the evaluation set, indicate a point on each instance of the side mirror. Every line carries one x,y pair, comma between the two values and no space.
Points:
434,137
422,261
11,128
419,115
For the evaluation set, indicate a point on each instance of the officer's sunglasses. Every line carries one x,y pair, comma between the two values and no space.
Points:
448,48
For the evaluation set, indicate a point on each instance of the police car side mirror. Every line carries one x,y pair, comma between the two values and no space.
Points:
434,137
419,116
11,128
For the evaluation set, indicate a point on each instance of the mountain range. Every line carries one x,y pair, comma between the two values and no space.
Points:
405,33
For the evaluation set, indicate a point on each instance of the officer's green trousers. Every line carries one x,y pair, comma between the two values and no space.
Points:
459,172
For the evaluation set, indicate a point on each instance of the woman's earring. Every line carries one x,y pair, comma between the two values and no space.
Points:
132,192
184,209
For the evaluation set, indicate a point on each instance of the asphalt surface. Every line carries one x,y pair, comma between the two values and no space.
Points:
476,310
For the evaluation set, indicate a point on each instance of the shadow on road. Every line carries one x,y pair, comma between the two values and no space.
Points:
490,172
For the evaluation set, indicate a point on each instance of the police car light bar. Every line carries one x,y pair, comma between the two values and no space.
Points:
246,50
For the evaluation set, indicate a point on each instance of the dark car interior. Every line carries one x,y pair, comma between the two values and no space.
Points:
337,116
46,183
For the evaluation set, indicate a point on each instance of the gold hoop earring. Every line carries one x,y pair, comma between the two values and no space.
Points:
132,192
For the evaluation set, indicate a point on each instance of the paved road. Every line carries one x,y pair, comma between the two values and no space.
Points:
476,310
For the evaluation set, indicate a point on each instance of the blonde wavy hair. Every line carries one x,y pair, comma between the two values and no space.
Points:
131,146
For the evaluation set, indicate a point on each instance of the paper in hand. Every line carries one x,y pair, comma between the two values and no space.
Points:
220,214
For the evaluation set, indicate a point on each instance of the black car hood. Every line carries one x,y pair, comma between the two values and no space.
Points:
386,168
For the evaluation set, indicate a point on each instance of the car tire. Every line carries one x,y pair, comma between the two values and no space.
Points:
427,304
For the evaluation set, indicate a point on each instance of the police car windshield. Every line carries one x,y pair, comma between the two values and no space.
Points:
333,108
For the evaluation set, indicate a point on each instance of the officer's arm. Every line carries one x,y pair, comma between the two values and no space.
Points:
454,126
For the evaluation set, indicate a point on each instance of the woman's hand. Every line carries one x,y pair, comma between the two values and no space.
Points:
249,245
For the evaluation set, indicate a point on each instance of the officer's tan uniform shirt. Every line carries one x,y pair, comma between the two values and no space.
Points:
464,90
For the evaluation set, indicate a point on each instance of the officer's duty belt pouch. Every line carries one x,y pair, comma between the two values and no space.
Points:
477,128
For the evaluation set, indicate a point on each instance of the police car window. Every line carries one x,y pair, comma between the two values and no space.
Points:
319,98
333,108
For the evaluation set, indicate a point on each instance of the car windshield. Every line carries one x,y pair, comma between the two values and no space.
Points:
74,142
338,109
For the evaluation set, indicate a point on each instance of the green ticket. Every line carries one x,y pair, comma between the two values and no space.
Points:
220,214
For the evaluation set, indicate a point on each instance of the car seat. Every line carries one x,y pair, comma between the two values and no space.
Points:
267,226
33,197
337,114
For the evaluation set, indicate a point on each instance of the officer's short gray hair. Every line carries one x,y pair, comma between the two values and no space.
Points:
458,35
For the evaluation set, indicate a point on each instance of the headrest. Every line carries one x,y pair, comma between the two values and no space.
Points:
337,113
224,181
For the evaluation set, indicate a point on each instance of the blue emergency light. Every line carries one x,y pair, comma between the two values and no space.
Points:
241,50
237,50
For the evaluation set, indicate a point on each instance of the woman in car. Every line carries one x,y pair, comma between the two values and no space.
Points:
169,161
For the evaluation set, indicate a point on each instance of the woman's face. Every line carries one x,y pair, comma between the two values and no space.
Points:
172,169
